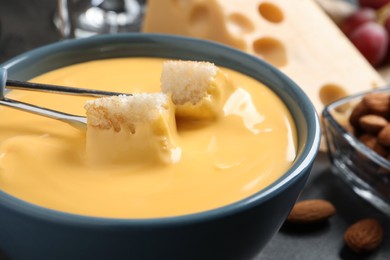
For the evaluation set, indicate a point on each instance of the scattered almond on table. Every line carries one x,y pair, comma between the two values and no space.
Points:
311,211
361,237
364,236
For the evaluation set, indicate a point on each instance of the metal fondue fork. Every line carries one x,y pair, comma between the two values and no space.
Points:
78,122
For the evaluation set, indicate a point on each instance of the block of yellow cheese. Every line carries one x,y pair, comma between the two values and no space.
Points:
295,36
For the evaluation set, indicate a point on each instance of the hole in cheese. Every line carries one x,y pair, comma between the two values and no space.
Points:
239,24
199,20
272,50
271,12
331,92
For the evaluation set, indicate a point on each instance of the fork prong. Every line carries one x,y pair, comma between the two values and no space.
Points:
32,86
3,80
78,122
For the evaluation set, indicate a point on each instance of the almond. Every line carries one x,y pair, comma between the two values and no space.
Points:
384,136
372,124
377,103
364,236
358,111
369,140
311,211
382,151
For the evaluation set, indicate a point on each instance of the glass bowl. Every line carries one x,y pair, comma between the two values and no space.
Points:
364,170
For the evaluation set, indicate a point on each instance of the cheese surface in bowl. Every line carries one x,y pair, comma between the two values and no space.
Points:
223,160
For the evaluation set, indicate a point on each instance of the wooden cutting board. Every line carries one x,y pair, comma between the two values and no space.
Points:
297,37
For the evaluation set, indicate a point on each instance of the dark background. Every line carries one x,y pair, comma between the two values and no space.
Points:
27,24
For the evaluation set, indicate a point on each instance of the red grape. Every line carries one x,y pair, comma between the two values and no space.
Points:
387,25
371,39
376,4
359,17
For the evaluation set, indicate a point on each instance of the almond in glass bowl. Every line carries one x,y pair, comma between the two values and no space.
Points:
357,131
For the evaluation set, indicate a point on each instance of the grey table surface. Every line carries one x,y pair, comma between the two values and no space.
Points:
27,24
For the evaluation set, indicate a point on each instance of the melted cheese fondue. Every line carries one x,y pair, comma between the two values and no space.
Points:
42,160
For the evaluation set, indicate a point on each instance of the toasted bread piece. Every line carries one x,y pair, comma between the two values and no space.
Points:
198,89
136,128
